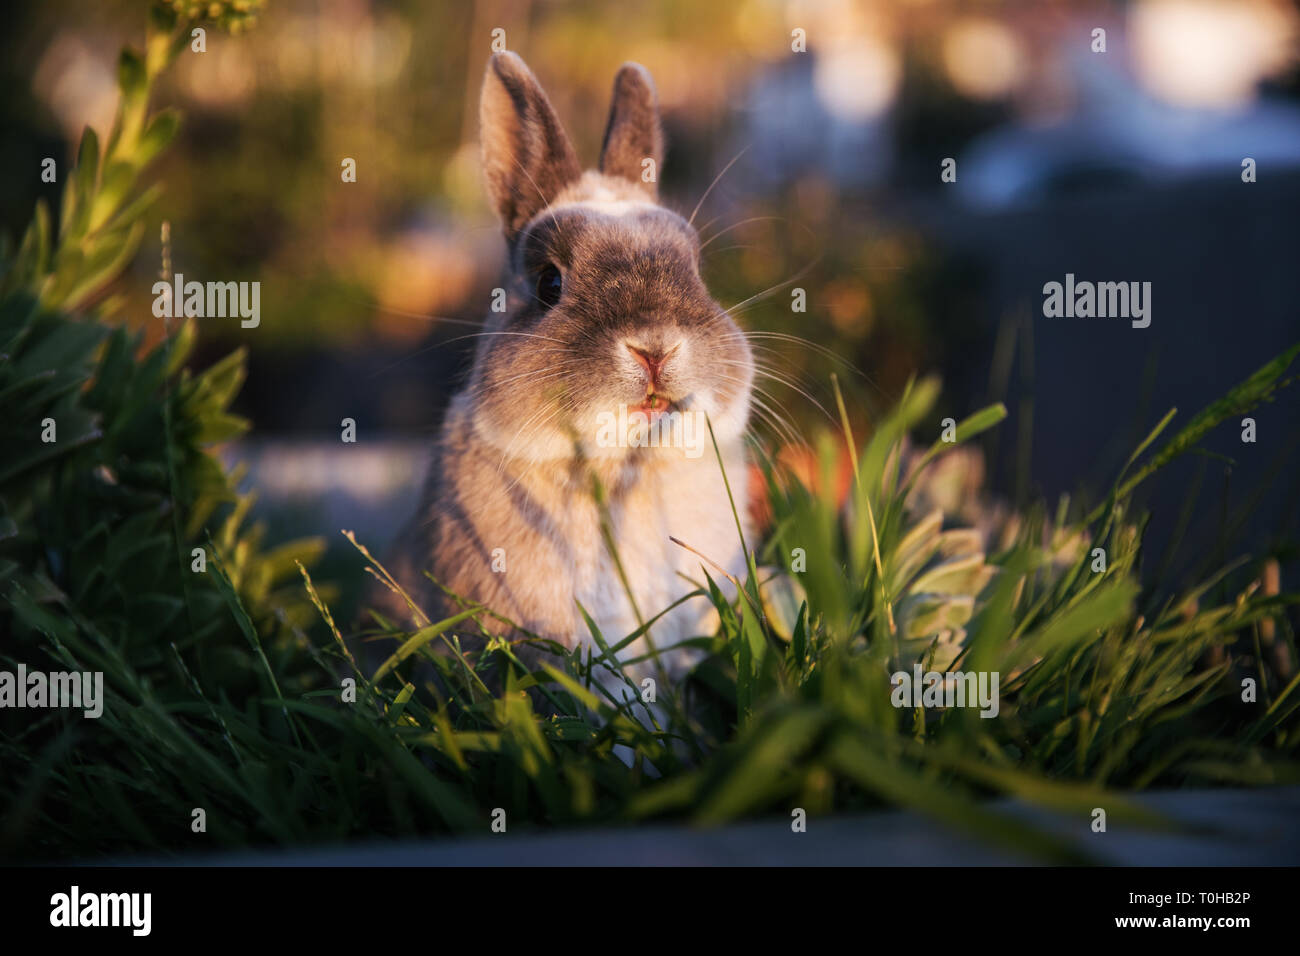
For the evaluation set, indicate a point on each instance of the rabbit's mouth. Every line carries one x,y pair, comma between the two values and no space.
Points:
653,406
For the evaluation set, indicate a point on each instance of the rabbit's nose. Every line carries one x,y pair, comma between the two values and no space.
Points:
652,360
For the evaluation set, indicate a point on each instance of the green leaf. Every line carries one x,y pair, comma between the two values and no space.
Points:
77,197
158,135
419,639
119,177
1259,387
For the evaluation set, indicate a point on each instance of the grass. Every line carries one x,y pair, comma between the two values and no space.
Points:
1107,688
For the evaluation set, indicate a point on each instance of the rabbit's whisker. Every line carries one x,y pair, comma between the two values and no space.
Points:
743,222
716,180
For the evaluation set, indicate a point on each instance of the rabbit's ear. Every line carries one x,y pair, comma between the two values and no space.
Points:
633,134
527,158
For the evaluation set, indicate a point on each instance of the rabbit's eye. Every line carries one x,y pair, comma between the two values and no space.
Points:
549,286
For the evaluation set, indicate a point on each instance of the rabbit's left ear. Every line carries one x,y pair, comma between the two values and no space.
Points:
633,135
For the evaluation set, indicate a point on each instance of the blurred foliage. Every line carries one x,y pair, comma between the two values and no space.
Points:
233,16
109,482
398,260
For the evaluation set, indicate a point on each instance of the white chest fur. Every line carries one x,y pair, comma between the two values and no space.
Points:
684,499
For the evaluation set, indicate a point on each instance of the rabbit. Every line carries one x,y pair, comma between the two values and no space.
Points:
605,307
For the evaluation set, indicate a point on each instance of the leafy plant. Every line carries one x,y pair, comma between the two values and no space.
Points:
108,483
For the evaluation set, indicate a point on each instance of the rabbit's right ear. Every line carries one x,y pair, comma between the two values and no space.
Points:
527,158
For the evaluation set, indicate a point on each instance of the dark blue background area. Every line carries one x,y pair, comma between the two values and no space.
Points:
1222,259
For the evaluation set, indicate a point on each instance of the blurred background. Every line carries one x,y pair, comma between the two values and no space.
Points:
1123,165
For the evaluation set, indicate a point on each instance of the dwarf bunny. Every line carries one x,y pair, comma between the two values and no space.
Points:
608,330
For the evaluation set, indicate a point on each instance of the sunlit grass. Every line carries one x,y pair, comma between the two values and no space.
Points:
1107,688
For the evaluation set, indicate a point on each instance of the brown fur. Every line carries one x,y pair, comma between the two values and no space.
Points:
514,464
